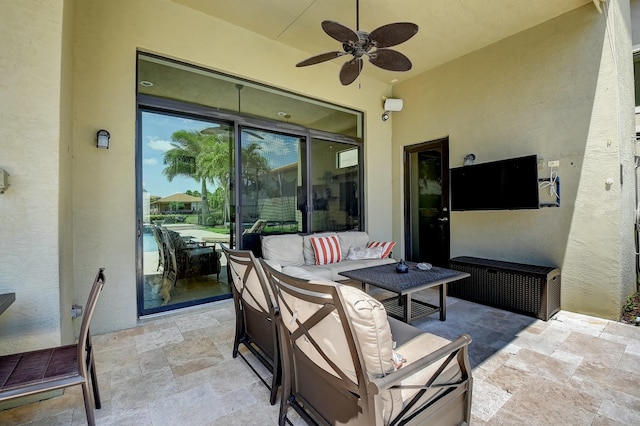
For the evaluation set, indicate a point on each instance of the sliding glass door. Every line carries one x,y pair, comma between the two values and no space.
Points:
222,160
185,175
272,177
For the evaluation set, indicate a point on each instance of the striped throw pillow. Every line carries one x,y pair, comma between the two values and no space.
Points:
326,249
386,247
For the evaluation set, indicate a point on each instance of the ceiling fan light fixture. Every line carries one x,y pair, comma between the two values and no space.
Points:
361,43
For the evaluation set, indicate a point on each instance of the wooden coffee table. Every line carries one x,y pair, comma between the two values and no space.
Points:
402,306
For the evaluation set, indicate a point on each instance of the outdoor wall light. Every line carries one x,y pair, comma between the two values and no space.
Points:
469,159
103,139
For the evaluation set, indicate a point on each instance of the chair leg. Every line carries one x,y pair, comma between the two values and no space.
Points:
88,406
274,391
237,338
239,327
94,384
284,405
277,378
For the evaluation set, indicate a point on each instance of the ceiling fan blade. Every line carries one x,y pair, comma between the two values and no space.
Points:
390,60
393,34
350,71
319,58
339,32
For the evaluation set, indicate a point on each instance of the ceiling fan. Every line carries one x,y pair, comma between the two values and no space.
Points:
361,43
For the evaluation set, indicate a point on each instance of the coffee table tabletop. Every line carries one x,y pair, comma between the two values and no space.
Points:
403,284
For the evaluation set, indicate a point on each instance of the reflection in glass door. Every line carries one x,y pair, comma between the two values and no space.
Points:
185,210
274,193
335,183
272,179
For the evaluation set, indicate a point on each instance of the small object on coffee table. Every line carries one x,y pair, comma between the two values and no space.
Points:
423,266
402,267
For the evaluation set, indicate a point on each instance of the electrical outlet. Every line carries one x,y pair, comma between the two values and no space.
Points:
553,163
541,163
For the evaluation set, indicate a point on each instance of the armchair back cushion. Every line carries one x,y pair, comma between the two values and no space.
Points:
370,325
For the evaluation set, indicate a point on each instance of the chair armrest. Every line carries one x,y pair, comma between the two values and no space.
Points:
376,386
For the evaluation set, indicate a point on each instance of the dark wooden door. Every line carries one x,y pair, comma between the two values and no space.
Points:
426,177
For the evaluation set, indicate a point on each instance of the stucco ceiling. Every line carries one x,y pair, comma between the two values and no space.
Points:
448,28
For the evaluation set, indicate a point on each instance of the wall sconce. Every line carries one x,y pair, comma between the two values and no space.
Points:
4,180
103,139
469,159
390,105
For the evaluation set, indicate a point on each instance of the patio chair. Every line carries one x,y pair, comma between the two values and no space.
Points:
255,314
257,227
339,365
45,370
157,235
187,260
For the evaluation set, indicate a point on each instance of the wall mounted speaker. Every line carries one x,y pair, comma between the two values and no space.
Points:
391,104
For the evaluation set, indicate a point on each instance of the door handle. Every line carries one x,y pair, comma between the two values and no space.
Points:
443,219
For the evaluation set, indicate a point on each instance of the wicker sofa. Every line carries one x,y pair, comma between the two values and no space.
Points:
296,255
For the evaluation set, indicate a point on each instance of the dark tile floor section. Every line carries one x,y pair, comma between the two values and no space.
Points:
177,369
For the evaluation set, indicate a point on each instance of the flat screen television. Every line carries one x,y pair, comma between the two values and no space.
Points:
510,184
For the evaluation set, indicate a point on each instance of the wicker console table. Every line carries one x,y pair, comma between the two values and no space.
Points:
526,289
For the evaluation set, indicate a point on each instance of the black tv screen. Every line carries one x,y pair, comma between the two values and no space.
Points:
510,184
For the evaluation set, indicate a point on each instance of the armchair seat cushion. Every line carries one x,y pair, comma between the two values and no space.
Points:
393,401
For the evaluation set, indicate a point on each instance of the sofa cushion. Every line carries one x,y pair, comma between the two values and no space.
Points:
304,274
332,270
326,249
285,250
307,248
350,239
386,247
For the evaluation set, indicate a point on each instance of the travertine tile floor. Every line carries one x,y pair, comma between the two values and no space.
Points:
178,370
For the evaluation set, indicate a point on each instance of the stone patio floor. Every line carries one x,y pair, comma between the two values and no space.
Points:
177,369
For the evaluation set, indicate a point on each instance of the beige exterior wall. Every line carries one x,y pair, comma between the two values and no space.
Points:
562,91
68,70
65,223
30,130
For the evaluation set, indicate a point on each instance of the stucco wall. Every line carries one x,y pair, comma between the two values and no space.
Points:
635,22
30,66
552,91
107,36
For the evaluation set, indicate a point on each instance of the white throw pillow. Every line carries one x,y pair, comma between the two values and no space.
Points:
362,253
